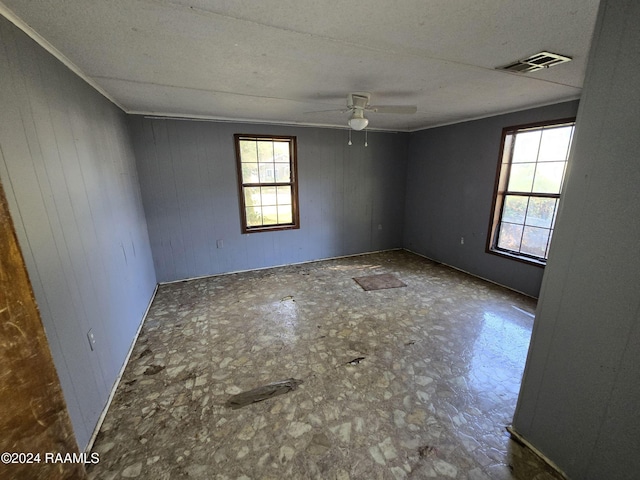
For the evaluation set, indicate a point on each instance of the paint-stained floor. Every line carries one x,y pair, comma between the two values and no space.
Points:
411,382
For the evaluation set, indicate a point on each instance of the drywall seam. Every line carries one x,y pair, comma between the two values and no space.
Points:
40,40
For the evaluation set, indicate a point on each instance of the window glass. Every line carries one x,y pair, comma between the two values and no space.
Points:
528,186
267,179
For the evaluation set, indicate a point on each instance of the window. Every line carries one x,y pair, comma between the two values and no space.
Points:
533,162
268,182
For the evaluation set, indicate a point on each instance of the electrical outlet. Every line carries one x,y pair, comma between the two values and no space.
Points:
461,240
379,226
219,243
92,339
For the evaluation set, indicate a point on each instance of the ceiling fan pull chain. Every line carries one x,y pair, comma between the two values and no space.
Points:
350,138
365,139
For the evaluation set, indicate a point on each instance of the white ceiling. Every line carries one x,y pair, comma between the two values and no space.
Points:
275,60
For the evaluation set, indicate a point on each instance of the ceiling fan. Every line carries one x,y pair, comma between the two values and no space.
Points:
358,104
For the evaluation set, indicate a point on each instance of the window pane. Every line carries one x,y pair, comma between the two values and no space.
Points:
533,163
281,151
284,195
252,196
283,172
540,212
509,237
268,182
270,215
254,216
555,144
534,241
515,208
549,177
526,147
266,173
521,177
250,173
248,151
265,151
284,214
269,196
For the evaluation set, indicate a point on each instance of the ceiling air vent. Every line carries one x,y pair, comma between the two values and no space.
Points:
536,62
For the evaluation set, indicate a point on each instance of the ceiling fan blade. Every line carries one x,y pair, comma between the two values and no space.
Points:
341,110
393,108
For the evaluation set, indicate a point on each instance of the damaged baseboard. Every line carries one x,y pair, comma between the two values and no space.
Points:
469,273
525,443
188,279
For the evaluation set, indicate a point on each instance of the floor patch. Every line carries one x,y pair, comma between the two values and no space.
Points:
379,282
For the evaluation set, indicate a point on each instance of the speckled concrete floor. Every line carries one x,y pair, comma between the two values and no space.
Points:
438,382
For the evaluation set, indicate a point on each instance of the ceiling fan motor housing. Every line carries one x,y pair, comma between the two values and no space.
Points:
359,100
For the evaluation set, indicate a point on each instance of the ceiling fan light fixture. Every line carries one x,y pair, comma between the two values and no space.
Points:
358,123
357,120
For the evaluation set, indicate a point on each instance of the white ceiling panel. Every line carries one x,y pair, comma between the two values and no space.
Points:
274,61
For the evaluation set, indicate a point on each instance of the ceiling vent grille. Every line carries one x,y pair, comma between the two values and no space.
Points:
536,62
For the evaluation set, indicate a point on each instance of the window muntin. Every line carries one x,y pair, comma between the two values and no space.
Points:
267,181
529,184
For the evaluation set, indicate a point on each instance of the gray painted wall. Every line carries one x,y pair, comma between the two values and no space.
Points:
189,188
67,167
581,390
451,175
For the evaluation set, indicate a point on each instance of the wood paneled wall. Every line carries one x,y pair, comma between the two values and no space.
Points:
581,389
351,197
67,166
34,418
450,184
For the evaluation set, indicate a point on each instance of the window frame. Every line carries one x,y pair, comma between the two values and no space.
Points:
293,183
500,192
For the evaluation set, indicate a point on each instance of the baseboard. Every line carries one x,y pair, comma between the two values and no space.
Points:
278,266
472,274
522,441
119,377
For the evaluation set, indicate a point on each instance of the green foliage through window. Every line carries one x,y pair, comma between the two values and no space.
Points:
268,182
530,177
